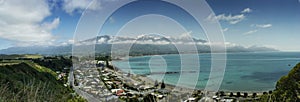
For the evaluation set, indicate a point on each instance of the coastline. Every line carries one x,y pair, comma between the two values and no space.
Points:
124,58
151,81
182,89
242,84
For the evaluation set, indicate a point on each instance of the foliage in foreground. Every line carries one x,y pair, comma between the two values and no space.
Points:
29,82
288,87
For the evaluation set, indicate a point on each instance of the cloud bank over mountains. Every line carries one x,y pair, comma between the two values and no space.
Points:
144,44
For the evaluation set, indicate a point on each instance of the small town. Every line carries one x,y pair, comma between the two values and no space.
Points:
149,51
105,83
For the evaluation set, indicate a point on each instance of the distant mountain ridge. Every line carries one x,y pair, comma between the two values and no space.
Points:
144,44
143,39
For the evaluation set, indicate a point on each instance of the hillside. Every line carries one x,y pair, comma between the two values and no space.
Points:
28,81
17,56
288,87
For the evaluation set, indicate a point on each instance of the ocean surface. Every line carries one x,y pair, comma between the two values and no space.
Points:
244,71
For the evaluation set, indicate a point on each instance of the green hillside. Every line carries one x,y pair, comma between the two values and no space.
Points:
29,82
288,87
16,56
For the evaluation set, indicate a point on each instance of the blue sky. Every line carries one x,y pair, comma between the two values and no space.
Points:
271,23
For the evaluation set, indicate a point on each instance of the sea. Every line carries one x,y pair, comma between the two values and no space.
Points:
246,71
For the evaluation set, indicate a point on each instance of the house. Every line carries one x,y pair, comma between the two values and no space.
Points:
190,99
118,92
226,100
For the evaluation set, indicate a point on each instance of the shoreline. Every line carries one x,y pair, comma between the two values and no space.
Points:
186,89
124,58
172,86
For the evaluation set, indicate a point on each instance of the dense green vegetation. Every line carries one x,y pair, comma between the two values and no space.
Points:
25,80
57,63
288,87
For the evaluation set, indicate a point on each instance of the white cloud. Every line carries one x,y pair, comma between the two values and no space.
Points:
185,35
79,5
21,21
225,29
229,44
250,32
1,2
51,25
232,19
246,10
68,42
263,25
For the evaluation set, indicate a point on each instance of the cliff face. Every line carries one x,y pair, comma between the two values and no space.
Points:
288,87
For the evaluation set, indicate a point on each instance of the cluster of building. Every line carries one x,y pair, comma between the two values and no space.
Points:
88,80
107,84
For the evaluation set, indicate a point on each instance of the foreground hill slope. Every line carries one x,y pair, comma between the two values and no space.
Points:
28,81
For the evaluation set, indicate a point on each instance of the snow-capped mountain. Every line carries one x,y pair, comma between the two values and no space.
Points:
144,44
142,39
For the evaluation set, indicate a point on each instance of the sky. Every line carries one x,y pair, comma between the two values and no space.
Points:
270,23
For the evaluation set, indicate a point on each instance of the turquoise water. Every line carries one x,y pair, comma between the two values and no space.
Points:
244,71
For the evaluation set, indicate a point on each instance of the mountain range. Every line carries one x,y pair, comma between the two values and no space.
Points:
140,45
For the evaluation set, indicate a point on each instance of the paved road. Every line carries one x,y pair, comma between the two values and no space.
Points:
87,96
71,77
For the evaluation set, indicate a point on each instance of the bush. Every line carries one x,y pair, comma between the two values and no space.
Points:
254,95
222,93
231,94
287,88
162,86
245,95
238,94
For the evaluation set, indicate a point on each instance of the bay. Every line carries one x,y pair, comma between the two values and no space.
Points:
248,71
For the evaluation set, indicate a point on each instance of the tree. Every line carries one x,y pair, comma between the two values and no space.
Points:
149,98
265,98
217,93
254,95
287,87
238,94
222,93
128,74
245,95
270,92
156,84
231,94
107,59
265,93
162,86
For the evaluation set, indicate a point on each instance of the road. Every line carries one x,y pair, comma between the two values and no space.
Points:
87,96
